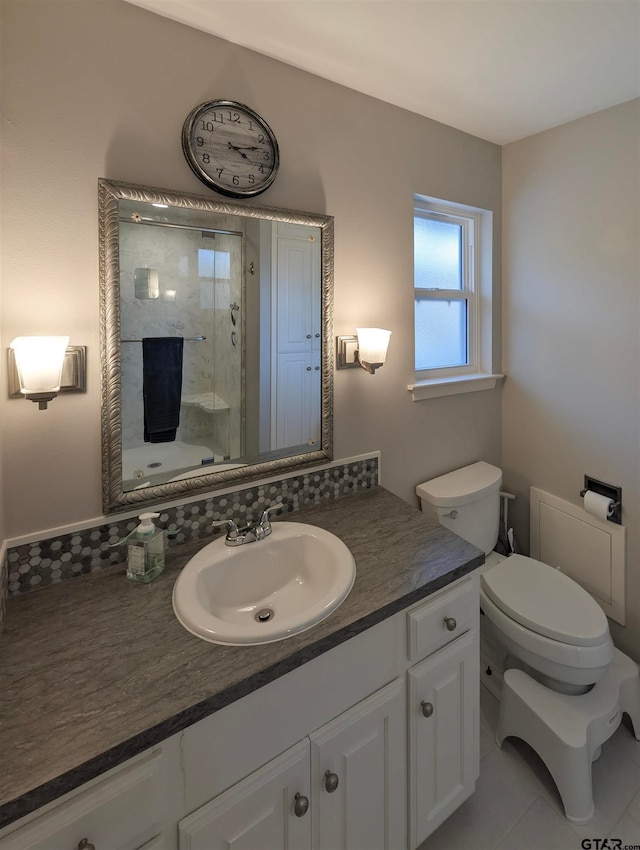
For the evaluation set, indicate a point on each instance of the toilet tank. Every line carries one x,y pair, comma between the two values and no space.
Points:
466,501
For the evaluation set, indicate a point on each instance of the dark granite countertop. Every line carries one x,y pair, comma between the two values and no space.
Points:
97,669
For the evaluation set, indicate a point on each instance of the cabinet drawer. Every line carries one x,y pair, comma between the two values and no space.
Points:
442,618
121,812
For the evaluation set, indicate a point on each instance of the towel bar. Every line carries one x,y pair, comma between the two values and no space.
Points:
186,339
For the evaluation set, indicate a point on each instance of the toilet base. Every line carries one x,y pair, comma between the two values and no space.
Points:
567,732
491,672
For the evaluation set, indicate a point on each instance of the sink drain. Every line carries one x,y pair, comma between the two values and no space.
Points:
264,615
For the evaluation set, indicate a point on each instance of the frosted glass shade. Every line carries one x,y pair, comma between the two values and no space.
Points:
39,361
372,346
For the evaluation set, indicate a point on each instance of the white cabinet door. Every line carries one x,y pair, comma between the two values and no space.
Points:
122,812
261,812
363,751
134,806
296,331
297,292
297,401
443,740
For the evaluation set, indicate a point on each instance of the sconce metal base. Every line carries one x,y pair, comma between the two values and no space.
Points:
41,399
347,352
370,367
74,373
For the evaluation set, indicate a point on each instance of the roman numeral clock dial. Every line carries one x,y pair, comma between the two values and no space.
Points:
230,148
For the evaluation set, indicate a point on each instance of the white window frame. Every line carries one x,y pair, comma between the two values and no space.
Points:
477,290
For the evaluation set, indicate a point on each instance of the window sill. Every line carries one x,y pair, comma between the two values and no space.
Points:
453,386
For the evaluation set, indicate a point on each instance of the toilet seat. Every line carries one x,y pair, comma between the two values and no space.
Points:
578,662
544,600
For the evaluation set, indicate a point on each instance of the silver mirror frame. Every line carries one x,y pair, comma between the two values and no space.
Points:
110,193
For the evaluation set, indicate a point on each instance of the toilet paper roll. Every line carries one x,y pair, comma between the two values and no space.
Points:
598,505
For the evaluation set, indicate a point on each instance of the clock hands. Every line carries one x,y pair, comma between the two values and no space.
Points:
241,149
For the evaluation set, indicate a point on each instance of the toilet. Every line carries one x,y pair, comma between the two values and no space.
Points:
548,625
551,654
542,621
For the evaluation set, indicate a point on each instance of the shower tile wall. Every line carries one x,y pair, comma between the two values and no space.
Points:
200,277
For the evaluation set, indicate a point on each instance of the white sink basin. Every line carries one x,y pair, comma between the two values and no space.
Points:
267,590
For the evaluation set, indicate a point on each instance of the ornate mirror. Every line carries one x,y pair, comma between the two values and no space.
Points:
216,342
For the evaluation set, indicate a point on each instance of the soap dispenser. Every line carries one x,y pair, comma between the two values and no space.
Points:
145,550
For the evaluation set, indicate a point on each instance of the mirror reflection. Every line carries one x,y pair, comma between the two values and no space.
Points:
216,341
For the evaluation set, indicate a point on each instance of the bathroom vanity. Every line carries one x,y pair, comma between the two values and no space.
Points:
129,732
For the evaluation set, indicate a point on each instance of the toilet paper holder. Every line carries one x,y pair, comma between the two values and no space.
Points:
609,492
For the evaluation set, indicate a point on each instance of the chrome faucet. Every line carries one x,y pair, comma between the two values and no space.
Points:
251,532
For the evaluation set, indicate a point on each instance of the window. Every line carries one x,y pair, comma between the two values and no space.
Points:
214,269
452,299
214,264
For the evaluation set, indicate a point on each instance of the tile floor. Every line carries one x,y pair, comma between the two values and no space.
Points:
516,805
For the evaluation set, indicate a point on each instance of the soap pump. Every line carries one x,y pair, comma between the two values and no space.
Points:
145,550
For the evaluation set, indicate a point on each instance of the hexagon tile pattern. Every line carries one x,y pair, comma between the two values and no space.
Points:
46,562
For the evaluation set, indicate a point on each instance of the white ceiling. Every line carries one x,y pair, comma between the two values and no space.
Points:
499,69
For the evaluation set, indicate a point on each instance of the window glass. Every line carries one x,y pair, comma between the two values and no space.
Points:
437,254
440,333
214,263
206,262
453,291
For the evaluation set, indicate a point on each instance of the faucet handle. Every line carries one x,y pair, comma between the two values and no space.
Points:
232,528
265,521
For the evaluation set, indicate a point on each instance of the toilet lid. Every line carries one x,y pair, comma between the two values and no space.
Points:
546,601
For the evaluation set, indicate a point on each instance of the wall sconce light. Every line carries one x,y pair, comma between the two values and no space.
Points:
42,366
368,349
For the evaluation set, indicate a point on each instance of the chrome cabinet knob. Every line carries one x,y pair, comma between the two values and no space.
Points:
331,781
84,844
427,708
451,624
300,805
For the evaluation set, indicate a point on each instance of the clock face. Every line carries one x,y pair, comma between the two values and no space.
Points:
230,148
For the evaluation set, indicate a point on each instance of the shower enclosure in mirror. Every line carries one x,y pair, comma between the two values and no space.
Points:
216,342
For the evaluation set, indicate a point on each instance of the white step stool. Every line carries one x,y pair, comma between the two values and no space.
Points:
567,732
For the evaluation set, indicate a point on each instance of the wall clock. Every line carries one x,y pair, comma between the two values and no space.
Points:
230,148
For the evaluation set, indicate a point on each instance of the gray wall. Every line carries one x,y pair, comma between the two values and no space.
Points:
571,270
100,88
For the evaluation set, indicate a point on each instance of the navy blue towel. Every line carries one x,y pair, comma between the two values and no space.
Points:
161,387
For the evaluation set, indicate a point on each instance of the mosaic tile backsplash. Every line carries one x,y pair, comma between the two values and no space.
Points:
50,561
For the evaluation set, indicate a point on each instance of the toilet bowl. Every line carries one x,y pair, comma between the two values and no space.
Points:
547,622
535,618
